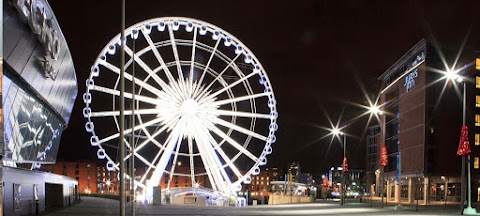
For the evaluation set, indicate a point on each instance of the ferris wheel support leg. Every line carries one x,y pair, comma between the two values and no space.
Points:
162,163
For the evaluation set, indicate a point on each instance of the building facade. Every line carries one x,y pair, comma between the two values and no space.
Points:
421,126
38,89
84,172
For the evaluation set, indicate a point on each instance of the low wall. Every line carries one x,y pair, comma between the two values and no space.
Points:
188,200
286,199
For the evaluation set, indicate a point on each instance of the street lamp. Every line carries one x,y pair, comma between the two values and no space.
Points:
337,132
374,109
453,75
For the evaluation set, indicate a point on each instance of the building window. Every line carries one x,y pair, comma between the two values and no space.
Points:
477,120
477,139
475,163
477,81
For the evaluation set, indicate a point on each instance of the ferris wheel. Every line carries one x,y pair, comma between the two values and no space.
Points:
202,104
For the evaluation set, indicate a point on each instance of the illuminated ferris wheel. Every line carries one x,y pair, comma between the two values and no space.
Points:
199,97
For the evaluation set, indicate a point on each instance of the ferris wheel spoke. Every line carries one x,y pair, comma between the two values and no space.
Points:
127,112
139,61
141,158
206,164
222,176
151,165
232,142
223,71
128,76
228,87
209,61
159,57
192,167
137,127
154,76
151,138
210,161
175,52
174,162
242,98
168,151
127,95
192,61
240,114
239,129
224,156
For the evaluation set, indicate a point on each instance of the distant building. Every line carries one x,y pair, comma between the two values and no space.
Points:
294,172
91,176
176,181
372,179
354,179
260,186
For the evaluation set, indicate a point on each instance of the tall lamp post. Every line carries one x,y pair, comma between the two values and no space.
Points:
464,147
375,110
337,132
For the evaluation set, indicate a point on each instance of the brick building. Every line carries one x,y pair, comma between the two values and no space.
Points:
91,177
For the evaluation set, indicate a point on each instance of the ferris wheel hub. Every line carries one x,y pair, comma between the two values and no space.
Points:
189,107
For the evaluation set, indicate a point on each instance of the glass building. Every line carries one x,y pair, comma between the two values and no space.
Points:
38,89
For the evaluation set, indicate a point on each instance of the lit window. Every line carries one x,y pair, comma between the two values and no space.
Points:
268,178
262,178
477,100
477,139
477,120
477,81
262,182
475,163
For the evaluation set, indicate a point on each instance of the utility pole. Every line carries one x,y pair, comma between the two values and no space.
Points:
122,112
132,140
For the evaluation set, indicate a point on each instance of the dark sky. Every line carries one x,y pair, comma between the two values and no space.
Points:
311,51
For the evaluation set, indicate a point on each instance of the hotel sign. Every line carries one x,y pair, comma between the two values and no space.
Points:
410,80
40,19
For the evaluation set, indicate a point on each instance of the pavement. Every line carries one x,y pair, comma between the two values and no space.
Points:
101,206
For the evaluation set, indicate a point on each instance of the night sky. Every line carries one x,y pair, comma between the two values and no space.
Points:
317,54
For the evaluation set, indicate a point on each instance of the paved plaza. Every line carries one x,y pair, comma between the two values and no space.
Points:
101,206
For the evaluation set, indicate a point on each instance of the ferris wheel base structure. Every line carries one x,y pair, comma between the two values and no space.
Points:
198,97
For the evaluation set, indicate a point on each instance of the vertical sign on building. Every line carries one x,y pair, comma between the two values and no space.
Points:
398,169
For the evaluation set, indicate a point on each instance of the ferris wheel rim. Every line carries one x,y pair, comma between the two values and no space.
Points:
253,170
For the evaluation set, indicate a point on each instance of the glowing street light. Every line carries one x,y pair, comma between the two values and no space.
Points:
374,109
453,75
335,131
